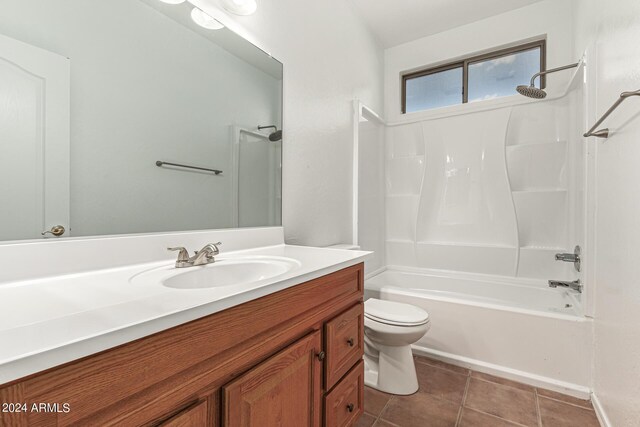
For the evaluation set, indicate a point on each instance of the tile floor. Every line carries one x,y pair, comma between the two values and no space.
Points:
453,396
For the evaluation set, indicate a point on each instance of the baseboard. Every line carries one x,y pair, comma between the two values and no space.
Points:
575,390
600,413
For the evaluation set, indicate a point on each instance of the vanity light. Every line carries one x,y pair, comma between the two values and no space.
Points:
205,20
241,7
173,1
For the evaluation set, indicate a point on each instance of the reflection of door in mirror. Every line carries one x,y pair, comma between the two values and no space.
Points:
34,140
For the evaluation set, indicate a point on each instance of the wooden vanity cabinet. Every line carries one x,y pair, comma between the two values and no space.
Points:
292,358
286,387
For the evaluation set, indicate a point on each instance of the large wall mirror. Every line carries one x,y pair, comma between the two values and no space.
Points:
126,116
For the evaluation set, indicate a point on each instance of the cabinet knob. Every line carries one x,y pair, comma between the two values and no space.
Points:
350,341
350,407
321,355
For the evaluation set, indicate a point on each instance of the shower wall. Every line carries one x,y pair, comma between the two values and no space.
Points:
371,193
497,192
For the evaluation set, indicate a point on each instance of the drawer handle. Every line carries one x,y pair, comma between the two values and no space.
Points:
350,407
321,355
350,341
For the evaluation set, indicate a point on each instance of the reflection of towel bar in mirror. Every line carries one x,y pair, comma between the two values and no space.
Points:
160,164
604,133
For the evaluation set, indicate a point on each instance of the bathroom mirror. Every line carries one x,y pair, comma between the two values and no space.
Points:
126,116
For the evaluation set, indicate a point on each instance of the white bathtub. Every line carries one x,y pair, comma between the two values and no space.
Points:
519,329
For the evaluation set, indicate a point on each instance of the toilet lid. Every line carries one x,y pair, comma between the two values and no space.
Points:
394,313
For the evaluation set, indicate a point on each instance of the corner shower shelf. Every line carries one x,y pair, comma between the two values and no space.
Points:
540,190
538,225
537,165
544,248
535,144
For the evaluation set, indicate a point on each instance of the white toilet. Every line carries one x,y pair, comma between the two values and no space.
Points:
389,330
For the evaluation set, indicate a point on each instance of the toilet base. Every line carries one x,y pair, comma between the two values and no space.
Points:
390,369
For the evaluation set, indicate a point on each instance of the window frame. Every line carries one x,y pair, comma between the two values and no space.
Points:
465,62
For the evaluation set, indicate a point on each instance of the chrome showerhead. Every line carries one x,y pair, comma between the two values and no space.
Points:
531,92
275,136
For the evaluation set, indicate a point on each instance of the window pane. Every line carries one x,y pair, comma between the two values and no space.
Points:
498,77
434,90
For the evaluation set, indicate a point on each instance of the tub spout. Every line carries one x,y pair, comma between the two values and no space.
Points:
575,285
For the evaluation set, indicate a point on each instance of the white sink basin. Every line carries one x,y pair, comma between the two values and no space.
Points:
222,273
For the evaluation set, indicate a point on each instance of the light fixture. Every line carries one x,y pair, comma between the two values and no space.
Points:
205,20
173,1
240,7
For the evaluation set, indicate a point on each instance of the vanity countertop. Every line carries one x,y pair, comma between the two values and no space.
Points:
51,321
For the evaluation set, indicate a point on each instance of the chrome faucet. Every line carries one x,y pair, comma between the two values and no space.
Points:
575,285
202,257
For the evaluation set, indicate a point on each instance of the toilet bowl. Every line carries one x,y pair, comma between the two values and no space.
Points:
389,330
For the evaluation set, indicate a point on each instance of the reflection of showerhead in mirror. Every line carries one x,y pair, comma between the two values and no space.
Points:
275,136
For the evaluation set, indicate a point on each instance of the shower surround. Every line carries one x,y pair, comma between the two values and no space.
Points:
496,192
479,199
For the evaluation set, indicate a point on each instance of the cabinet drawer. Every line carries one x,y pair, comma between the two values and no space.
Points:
345,403
344,336
195,416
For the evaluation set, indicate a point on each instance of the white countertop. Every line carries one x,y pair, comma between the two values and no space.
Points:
50,321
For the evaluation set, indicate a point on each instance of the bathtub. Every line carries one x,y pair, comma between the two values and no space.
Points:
515,328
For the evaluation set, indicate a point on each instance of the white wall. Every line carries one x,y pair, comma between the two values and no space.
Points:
329,58
552,18
611,30
371,189
145,88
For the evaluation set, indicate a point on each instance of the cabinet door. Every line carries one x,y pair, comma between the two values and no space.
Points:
284,390
194,416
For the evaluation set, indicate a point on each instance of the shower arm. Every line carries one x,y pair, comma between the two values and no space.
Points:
553,70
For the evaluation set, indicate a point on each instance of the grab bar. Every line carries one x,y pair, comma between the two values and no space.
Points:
604,133
160,163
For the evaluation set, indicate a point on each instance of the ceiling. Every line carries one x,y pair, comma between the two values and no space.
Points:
399,21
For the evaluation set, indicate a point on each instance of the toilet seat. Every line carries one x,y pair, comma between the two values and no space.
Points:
394,313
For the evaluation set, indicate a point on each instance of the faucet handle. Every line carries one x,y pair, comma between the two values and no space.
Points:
215,248
183,255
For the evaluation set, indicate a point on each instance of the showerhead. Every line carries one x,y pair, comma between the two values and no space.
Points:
531,92
275,136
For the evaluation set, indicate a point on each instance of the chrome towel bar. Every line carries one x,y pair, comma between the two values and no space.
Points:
160,164
604,133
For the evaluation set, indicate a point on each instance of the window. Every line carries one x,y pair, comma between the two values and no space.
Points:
477,78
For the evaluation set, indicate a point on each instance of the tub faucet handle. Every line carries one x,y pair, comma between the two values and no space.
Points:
574,257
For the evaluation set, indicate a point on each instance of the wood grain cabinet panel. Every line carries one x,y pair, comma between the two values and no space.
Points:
263,350
345,403
284,391
194,416
344,342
